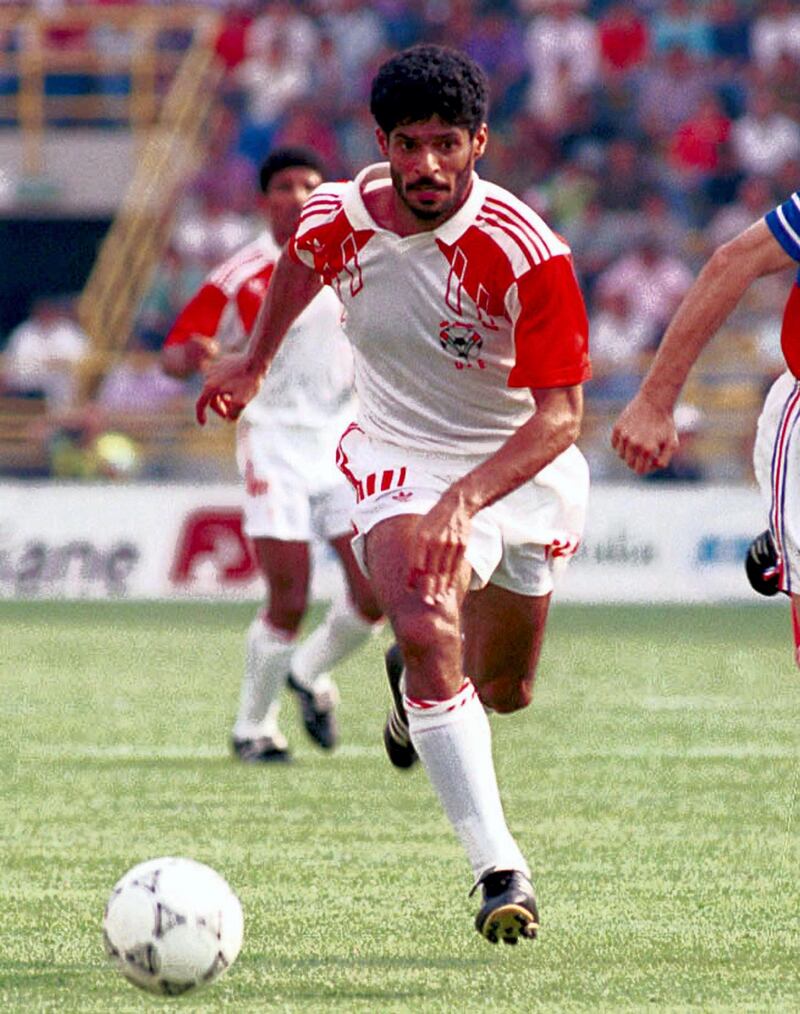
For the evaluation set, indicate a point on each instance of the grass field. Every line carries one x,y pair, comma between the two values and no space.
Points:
653,784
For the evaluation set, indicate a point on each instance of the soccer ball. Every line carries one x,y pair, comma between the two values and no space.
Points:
172,925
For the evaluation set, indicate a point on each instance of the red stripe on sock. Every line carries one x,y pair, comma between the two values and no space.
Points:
457,701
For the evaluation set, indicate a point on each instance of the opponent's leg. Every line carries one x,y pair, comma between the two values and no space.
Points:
270,644
347,625
450,731
762,564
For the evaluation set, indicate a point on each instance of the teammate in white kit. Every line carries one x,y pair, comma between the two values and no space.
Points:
645,437
286,449
470,342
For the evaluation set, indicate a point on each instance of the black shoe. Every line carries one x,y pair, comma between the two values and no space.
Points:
317,710
263,750
396,737
762,564
509,907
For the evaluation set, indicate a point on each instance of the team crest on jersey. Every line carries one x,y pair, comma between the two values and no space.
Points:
460,339
257,286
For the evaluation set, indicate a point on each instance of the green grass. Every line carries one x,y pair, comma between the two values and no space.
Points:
653,784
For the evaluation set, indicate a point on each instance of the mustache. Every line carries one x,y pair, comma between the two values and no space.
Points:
427,184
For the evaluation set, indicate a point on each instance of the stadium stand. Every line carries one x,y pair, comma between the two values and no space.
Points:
614,118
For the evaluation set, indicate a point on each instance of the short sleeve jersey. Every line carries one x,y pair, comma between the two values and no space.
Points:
784,222
310,383
451,328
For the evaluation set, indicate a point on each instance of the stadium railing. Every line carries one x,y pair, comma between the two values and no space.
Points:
169,75
56,70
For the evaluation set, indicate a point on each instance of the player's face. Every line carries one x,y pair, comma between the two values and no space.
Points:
286,194
431,164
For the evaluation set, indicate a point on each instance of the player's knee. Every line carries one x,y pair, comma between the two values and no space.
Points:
506,694
286,612
421,632
288,596
367,608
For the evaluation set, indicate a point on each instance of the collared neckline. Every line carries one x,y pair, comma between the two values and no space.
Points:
378,174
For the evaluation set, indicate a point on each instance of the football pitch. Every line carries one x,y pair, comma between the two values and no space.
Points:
653,784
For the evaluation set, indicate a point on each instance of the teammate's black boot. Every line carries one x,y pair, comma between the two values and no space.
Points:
263,750
509,907
396,737
317,711
762,565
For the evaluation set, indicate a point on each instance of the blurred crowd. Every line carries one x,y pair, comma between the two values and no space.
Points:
647,132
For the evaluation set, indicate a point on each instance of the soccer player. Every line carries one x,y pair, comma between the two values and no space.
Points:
645,437
470,341
286,445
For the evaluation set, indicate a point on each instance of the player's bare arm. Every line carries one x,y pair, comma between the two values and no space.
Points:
644,436
444,531
232,381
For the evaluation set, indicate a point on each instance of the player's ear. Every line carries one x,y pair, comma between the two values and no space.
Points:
383,142
479,140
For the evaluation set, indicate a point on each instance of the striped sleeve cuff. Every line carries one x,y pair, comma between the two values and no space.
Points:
784,223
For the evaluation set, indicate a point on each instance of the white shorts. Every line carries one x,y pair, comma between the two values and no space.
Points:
776,459
516,543
293,490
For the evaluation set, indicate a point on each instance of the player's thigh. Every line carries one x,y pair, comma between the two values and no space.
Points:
503,636
358,585
286,567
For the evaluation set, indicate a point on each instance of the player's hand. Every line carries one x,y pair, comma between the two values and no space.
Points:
200,353
194,355
441,541
644,436
230,384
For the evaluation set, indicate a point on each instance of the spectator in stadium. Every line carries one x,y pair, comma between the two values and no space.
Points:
764,138
753,200
470,338
43,353
621,340
494,41
601,236
730,32
623,37
784,81
625,172
206,230
653,278
281,24
680,23
83,443
270,81
358,34
137,385
669,92
775,30
563,54
693,155
645,434
286,449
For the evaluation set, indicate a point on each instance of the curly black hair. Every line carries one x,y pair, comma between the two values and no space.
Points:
428,80
288,158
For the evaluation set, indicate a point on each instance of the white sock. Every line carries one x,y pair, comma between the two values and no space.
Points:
266,667
454,743
340,633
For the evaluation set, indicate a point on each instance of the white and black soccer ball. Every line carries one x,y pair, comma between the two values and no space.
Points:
172,925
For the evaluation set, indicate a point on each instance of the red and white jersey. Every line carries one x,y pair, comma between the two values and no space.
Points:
450,328
310,383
